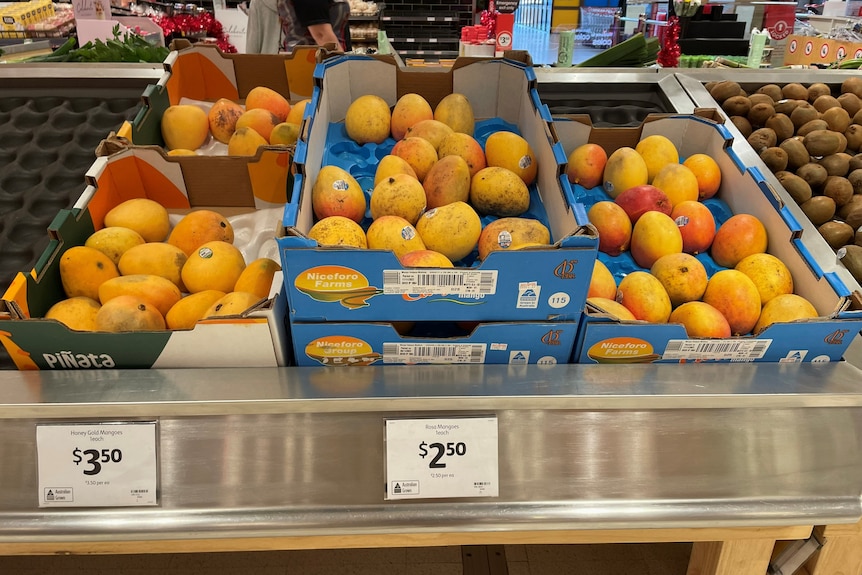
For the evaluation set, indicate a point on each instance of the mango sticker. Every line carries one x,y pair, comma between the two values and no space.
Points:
622,350
336,283
341,350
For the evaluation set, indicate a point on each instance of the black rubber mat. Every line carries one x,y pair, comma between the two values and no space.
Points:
47,143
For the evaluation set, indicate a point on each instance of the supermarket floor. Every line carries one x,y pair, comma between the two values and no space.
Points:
607,559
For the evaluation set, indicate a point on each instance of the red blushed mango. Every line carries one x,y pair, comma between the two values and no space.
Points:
270,100
696,225
643,295
707,172
260,120
700,320
602,282
410,109
733,294
613,225
740,236
586,165
418,153
461,144
638,200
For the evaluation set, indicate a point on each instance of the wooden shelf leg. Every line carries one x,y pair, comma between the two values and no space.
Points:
737,557
840,555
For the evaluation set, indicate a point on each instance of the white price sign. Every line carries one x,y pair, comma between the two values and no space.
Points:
433,458
97,464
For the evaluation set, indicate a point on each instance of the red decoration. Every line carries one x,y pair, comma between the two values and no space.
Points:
199,25
488,18
668,55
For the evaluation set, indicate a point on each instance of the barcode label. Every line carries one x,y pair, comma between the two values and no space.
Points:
396,352
733,350
465,282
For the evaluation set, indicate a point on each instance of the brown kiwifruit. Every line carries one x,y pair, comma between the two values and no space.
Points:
855,179
822,142
736,106
723,90
837,118
819,209
775,158
797,155
857,239
850,102
742,124
762,138
760,113
759,98
786,106
839,189
842,141
855,203
856,162
826,101
710,85
812,125
851,256
853,85
836,233
853,216
854,137
771,90
813,173
794,91
797,187
781,125
857,117
803,113
816,90
836,164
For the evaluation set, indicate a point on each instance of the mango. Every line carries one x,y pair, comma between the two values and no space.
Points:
232,303
297,111
453,230
83,270
409,110
114,241
740,236
638,200
189,310
677,182
447,181
424,259
511,234
215,265
466,146
147,217
245,142
683,276
511,151
586,165
185,126
432,130
657,151
653,236
499,192
284,134
158,291
733,294
78,313
390,165
257,277
400,195
602,282
455,111
614,227
261,97
182,152
625,169
768,273
701,320
336,193
784,308
222,119
612,307
338,231
260,120
696,226
155,258
643,295
129,313
395,234
417,152
199,227
368,120
707,172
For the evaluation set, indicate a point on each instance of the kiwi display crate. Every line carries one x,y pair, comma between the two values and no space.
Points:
49,131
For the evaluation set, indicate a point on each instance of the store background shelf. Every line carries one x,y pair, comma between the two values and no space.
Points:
425,27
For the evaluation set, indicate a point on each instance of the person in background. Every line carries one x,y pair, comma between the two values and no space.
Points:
315,22
263,34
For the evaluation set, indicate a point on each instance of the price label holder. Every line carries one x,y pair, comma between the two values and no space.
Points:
436,458
108,464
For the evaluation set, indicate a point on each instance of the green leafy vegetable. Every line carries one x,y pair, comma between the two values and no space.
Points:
128,48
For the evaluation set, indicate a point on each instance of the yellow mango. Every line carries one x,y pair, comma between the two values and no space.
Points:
185,126
257,277
185,313
158,291
83,270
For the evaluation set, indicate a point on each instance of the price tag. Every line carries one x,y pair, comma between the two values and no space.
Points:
97,464
433,458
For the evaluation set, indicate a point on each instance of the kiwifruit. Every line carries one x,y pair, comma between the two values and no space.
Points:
797,155
812,125
856,162
759,98
853,216
836,164
736,106
826,101
762,138
760,113
803,113
853,133
797,187
839,189
771,90
794,91
775,158
855,203
857,117
851,256
786,106
818,89
855,179
836,233
724,89
857,239
850,102
819,209
710,85
842,141
837,118
853,85
742,124
822,142
813,173
781,125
